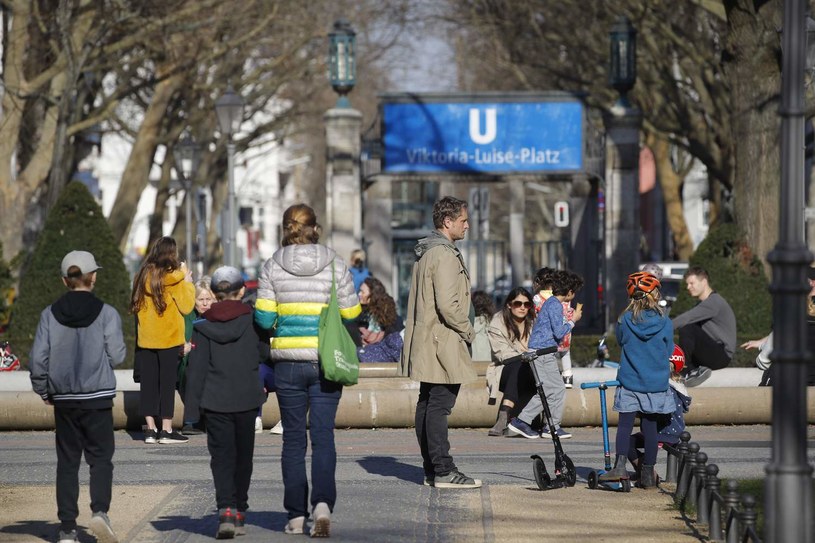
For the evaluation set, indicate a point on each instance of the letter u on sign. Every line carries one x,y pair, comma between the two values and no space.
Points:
490,130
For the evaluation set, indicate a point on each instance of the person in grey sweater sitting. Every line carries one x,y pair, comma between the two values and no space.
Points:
707,332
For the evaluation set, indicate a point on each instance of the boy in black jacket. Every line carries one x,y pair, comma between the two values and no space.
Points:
78,342
223,373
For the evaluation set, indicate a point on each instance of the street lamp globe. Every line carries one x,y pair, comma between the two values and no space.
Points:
342,64
229,108
187,155
622,73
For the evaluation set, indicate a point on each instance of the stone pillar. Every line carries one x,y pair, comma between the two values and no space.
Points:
517,208
622,215
378,235
342,226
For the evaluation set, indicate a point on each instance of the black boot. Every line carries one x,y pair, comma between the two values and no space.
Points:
619,472
648,477
500,424
637,464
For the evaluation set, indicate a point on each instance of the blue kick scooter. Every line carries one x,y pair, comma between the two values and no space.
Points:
622,485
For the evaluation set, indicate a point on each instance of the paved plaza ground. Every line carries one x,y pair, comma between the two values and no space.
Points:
163,493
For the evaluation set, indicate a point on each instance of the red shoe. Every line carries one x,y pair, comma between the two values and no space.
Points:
240,523
226,524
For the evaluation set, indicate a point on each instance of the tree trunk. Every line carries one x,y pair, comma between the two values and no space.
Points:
754,77
137,172
671,184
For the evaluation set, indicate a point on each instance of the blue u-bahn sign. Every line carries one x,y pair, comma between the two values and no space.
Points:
491,134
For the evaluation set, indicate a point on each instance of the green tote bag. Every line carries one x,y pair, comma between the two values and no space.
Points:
338,352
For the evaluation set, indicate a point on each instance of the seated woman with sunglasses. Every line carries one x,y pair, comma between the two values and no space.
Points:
509,333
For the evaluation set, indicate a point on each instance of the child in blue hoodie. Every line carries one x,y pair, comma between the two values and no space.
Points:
669,427
645,336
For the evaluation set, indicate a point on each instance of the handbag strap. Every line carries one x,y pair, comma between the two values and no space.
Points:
333,281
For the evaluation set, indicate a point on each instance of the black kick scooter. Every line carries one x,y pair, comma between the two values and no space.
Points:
565,474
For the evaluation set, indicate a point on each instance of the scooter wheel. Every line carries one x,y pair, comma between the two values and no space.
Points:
592,479
569,473
541,476
626,484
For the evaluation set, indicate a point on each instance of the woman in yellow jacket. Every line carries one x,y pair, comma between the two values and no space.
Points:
163,293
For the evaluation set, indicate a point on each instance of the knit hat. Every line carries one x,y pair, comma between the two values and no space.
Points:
82,260
226,279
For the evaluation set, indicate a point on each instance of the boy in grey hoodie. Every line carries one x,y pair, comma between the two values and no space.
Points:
77,345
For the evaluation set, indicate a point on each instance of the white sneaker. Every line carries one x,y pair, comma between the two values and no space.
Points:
258,425
100,526
277,429
322,520
295,526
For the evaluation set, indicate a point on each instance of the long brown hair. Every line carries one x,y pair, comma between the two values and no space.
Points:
638,306
380,305
509,320
162,258
300,226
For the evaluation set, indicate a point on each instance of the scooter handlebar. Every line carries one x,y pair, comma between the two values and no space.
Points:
600,384
530,355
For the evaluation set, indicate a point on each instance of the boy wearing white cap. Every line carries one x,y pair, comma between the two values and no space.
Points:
77,345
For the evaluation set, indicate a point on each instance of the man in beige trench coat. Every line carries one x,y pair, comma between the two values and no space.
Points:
438,333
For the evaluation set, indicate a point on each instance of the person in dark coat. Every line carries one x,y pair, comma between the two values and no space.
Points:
223,373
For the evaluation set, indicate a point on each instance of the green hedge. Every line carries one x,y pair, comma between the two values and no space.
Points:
584,350
75,223
738,276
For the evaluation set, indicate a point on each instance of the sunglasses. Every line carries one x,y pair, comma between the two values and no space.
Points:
518,304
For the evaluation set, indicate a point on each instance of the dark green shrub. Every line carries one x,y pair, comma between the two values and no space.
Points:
584,350
738,275
75,223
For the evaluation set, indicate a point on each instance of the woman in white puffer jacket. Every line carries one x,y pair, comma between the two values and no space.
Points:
293,287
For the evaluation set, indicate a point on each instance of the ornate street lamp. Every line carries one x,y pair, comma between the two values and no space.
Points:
622,72
187,156
788,485
229,108
342,63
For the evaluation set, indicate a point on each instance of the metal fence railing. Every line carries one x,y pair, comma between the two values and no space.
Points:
730,516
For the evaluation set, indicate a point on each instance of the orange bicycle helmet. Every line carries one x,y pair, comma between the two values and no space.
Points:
641,281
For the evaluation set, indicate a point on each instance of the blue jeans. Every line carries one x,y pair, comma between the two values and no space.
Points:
304,396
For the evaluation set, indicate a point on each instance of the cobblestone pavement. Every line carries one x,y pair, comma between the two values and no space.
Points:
163,493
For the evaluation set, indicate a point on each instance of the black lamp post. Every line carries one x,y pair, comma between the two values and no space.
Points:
788,486
187,155
229,108
622,72
342,63
810,55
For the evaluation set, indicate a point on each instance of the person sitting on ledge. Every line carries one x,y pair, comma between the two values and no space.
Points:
707,332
